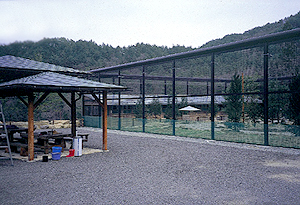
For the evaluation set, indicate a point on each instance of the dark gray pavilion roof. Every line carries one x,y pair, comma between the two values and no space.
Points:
12,67
22,63
53,82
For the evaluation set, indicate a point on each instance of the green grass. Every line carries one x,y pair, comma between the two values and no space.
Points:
279,135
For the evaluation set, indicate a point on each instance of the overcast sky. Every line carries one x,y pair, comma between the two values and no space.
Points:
127,22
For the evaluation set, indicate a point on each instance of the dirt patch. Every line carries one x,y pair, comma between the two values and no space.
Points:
47,124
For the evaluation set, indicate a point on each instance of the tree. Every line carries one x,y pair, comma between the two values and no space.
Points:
138,111
155,107
234,101
254,109
168,110
14,109
253,103
294,108
277,102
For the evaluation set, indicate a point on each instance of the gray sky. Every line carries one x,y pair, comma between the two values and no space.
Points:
127,22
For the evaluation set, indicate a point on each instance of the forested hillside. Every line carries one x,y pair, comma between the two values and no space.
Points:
87,55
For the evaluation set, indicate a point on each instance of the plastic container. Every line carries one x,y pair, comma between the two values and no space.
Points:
45,158
56,155
56,152
77,145
71,153
56,149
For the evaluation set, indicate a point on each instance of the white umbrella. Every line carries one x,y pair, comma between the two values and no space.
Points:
189,108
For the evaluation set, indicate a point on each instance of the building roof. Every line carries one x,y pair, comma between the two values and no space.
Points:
189,108
12,67
133,99
53,82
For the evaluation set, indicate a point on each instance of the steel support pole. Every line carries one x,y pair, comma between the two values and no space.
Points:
30,127
83,106
266,94
165,87
143,100
119,106
100,113
187,87
99,109
174,97
73,114
212,97
104,121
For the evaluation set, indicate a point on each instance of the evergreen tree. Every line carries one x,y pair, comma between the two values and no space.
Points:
294,107
234,102
138,111
155,108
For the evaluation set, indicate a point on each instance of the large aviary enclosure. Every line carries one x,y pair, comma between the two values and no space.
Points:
255,84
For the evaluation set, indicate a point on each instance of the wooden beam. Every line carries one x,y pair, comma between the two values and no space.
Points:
23,101
98,100
64,99
104,121
41,99
30,127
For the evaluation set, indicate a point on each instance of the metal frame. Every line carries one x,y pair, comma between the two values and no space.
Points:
263,41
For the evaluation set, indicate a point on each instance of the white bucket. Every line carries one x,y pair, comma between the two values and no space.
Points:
77,145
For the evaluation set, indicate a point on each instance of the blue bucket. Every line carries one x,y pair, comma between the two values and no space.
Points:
55,155
56,151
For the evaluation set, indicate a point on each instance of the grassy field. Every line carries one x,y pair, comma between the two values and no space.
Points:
279,135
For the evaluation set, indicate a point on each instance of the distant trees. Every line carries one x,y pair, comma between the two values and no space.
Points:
52,108
168,111
14,109
86,55
155,108
138,111
294,106
234,101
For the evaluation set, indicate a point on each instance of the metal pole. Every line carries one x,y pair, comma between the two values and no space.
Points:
143,100
266,93
165,87
173,98
119,107
207,89
99,108
73,114
83,105
243,97
187,87
212,96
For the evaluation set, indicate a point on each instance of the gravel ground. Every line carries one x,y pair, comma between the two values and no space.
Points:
155,169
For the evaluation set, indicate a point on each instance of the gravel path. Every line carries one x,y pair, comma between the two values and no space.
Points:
155,169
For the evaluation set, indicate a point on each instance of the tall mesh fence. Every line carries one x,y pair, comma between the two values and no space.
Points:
240,105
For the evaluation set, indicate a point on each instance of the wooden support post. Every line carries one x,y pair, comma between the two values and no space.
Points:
104,121
30,127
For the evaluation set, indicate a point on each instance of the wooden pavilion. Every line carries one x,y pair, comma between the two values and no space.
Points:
38,77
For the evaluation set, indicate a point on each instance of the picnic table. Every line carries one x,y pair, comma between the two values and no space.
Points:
47,141
11,130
